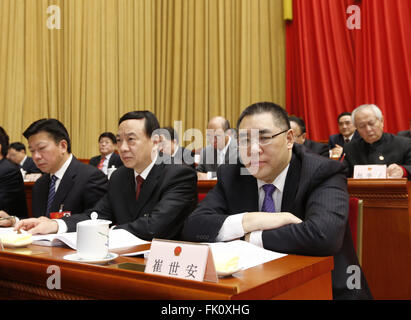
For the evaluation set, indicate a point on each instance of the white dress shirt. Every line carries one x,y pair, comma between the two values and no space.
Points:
233,226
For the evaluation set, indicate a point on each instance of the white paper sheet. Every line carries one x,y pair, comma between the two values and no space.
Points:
250,255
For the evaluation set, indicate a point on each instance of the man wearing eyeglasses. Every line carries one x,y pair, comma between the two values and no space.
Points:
282,198
376,146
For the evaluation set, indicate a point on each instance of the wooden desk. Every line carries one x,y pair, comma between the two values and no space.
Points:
386,253
290,277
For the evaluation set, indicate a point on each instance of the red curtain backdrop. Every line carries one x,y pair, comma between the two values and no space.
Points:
331,69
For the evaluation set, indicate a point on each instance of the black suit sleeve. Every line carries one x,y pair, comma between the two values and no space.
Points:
12,191
322,231
210,214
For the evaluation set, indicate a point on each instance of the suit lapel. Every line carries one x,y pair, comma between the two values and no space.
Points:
65,185
291,184
148,188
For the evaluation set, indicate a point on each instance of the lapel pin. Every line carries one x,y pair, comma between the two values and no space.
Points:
381,158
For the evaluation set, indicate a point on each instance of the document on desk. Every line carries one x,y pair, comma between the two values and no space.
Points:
118,238
249,255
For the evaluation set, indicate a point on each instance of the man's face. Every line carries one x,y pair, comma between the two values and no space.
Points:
216,136
263,156
48,155
346,126
368,125
166,145
106,146
15,156
134,146
299,137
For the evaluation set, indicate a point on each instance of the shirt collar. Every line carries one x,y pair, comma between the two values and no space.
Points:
175,151
278,182
60,172
226,146
108,156
22,161
147,170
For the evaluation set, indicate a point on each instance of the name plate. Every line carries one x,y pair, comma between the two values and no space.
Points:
375,171
185,260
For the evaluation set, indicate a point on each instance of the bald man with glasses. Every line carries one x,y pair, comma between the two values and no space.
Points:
282,198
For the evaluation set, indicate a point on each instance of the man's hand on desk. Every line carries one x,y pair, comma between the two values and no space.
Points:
254,221
40,225
5,219
394,171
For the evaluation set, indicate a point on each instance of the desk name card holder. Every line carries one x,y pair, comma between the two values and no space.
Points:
178,259
371,171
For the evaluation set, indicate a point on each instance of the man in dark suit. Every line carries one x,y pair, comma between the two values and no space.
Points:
169,146
283,198
17,154
347,133
145,198
68,184
222,148
107,158
298,126
12,196
405,133
376,146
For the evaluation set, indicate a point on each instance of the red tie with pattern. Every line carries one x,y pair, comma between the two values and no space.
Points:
139,181
100,165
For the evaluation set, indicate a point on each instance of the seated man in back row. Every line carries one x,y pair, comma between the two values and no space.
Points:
146,198
17,154
300,134
377,146
283,198
107,158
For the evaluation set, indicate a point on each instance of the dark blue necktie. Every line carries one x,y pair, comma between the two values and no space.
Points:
52,193
268,203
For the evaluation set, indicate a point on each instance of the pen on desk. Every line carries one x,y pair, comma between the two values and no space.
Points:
342,158
61,208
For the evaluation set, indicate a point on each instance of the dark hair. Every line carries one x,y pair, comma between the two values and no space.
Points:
299,121
4,142
171,133
109,135
151,122
18,146
53,127
343,114
280,116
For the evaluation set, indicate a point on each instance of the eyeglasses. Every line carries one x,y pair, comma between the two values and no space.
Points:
246,142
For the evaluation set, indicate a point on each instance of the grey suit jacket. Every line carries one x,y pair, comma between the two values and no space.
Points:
208,157
315,190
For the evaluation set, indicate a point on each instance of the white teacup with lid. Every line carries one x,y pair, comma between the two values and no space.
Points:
93,238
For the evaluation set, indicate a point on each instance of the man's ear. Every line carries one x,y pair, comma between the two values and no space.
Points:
304,136
290,138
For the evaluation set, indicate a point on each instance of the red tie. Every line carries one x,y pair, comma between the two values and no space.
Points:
140,181
100,165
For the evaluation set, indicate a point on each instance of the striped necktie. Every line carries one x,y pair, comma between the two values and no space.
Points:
52,194
100,165
268,203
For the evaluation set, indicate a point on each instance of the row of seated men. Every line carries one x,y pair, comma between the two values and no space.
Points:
280,196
